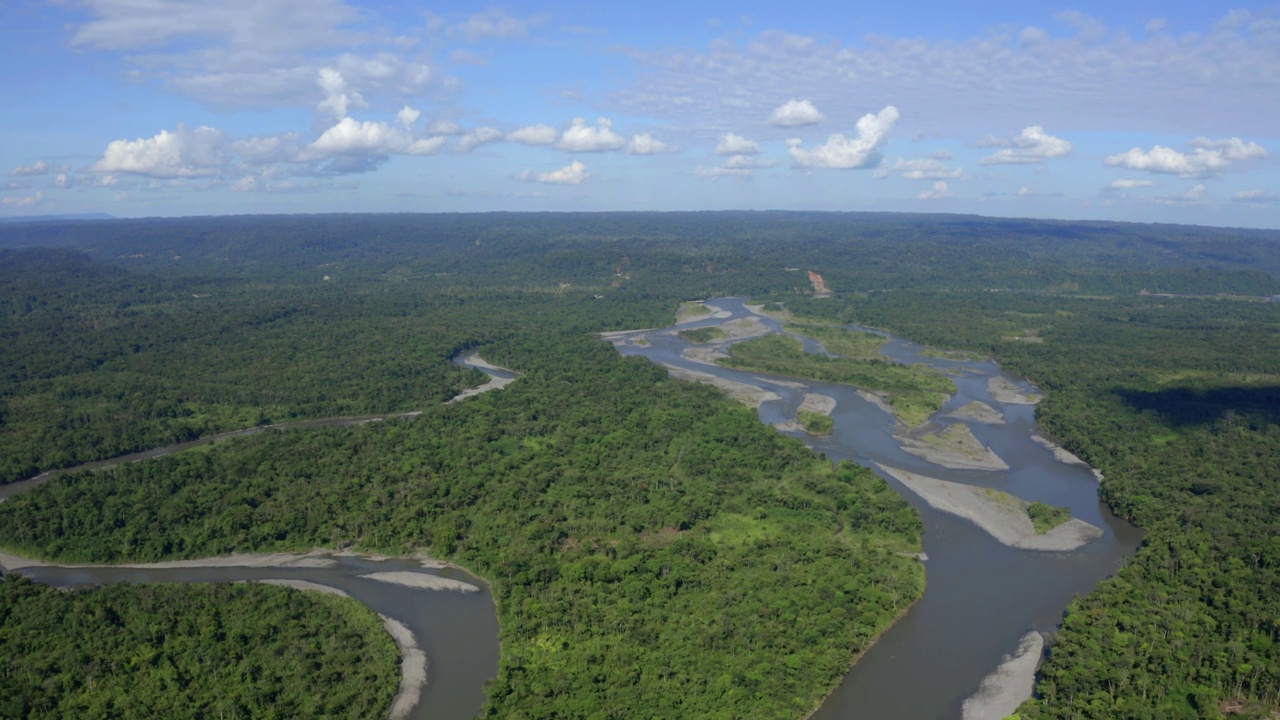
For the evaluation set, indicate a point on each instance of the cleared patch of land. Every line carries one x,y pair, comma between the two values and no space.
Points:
1009,685
1000,514
953,447
979,412
1005,391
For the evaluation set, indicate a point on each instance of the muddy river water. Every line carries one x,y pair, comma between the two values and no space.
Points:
982,596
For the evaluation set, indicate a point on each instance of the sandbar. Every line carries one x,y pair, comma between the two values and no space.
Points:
413,669
1005,391
421,581
495,382
748,395
1009,685
1001,515
979,412
953,447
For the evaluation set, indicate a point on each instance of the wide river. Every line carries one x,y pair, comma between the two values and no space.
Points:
982,596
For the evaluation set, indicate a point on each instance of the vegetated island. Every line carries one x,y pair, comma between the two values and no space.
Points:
954,446
1005,391
980,412
1000,514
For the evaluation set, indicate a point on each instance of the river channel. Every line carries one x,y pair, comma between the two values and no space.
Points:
982,596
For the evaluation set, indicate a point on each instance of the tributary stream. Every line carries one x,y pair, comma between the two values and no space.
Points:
982,596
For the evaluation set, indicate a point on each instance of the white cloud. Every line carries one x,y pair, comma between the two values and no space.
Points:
39,167
1209,157
1195,193
1231,148
959,84
928,169
1128,184
746,162
443,127
496,25
267,148
646,144
407,118
581,137
476,138
181,153
575,173
1032,145
937,192
1257,197
794,113
715,173
734,144
64,181
25,201
534,135
339,98
846,153
364,144
1025,191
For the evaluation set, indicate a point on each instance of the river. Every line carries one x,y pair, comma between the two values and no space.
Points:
982,596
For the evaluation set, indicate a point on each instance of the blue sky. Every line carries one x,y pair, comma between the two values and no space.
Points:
1146,111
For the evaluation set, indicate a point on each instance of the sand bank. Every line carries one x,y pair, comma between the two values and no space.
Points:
413,669
1009,685
878,400
413,661
495,383
421,581
1005,391
1060,453
704,355
1001,515
813,402
313,559
748,395
953,447
979,412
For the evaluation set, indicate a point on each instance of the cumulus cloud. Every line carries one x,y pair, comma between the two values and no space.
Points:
1128,184
534,135
1207,159
339,98
646,144
794,113
1032,145
407,118
182,153
927,169
360,146
575,173
734,144
937,192
839,152
581,137
476,138
26,200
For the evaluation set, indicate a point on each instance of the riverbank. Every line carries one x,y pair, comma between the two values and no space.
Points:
1005,391
813,403
1064,455
315,558
1009,685
1002,516
413,661
748,395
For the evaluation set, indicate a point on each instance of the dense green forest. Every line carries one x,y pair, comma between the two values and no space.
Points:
650,543
190,651
1177,401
